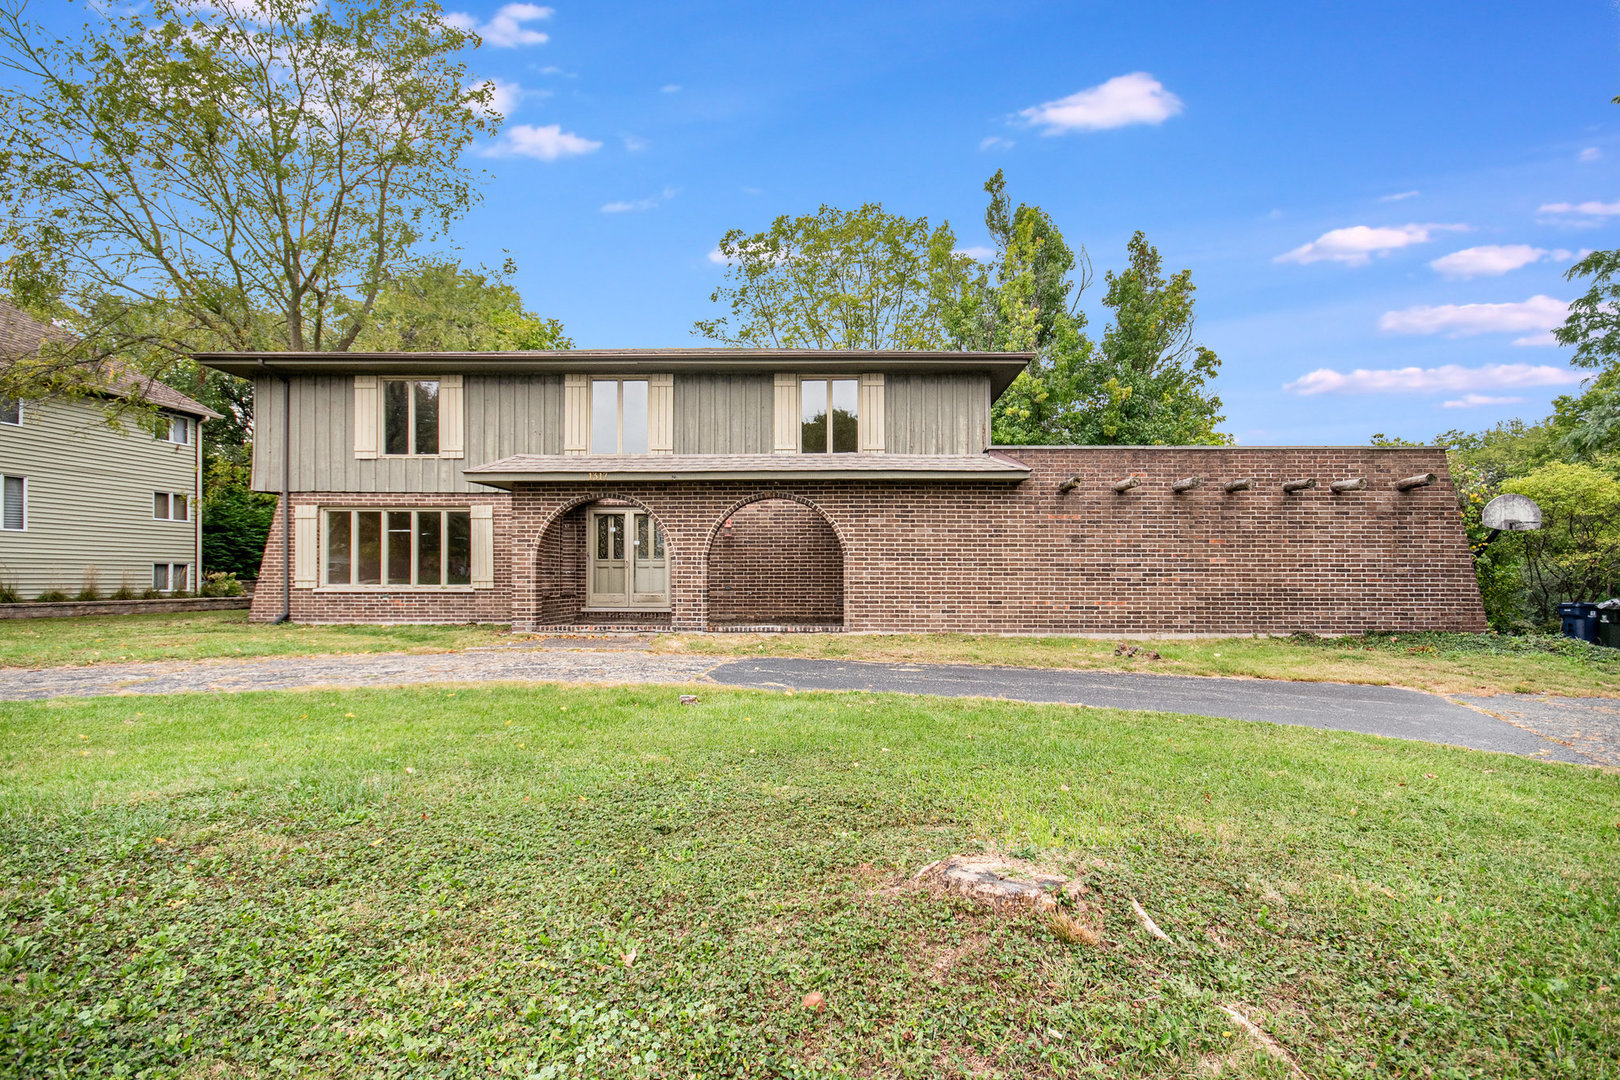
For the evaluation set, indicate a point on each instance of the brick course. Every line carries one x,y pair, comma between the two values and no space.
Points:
1005,558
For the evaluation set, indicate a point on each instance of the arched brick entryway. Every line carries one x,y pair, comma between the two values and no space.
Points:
562,565
775,561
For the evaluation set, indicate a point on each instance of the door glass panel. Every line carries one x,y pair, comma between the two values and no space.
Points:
635,416
396,417
458,548
338,547
399,547
643,541
427,417
428,537
368,548
846,395
813,417
604,416
602,536
616,531
658,541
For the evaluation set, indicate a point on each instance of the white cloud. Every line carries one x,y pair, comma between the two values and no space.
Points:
547,143
506,96
717,257
633,143
1590,212
670,88
1538,314
637,206
1590,154
1472,401
978,252
1137,98
1356,245
1452,378
506,30
1398,196
1491,260
995,142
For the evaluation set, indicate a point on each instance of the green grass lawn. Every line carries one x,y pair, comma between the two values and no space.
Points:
205,635
570,882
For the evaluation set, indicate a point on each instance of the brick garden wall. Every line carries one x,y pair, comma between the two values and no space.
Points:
389,605
1021,558
750,580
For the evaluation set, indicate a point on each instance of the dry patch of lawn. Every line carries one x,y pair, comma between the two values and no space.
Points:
1439,663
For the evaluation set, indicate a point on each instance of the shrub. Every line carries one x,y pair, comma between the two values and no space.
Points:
90,584
9,593
151,594
220,583
125,590
52,596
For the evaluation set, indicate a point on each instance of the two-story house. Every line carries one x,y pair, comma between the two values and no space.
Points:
86,503
711,489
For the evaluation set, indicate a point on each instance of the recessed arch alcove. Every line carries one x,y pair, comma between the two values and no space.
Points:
775,560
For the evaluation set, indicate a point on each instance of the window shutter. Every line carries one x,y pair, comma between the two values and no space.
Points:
483,546
787,413
306,546
576,414
366,411
870,416
660,414
452,417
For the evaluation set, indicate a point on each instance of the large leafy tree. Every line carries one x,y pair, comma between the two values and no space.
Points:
244,175
1593,328
835,279
442,306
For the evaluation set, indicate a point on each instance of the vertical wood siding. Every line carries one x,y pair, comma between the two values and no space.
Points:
723,414
937,414
90,500
523,414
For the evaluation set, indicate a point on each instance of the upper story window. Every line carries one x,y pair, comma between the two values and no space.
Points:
177,429
10,410
619,422
410,416
829,419
167,506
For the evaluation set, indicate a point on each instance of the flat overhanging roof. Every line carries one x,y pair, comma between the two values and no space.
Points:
1002,367
581,468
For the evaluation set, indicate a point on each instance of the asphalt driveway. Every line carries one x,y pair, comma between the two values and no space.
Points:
1372,710
1584,730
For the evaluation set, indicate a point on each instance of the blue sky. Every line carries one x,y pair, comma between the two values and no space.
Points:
1368,140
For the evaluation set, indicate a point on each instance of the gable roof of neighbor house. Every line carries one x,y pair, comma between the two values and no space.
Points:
21,334
1002,367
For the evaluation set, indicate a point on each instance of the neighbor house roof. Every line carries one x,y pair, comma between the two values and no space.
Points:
543,468
1002,367
22,334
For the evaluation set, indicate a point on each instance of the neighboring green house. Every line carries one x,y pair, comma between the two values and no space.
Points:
84,505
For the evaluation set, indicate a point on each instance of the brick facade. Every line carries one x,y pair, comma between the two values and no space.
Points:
750,580
1008,558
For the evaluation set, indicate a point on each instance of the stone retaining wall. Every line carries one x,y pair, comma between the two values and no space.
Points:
71,608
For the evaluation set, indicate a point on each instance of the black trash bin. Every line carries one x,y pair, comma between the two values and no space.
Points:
1580,621
1608,629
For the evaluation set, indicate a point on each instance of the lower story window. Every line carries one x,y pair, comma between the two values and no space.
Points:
171,577
13,502
397,547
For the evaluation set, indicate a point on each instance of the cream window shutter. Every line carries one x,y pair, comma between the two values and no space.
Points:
483,546
576,414
452,417
661,414
870,416
787,413
366,411
306,546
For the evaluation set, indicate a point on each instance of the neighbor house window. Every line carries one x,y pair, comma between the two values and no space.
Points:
824,430
397,547
167,577
177,429
167,506
13,503
410,416
10,410
618,416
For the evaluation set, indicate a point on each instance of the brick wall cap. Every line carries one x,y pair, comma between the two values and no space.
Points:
571,468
